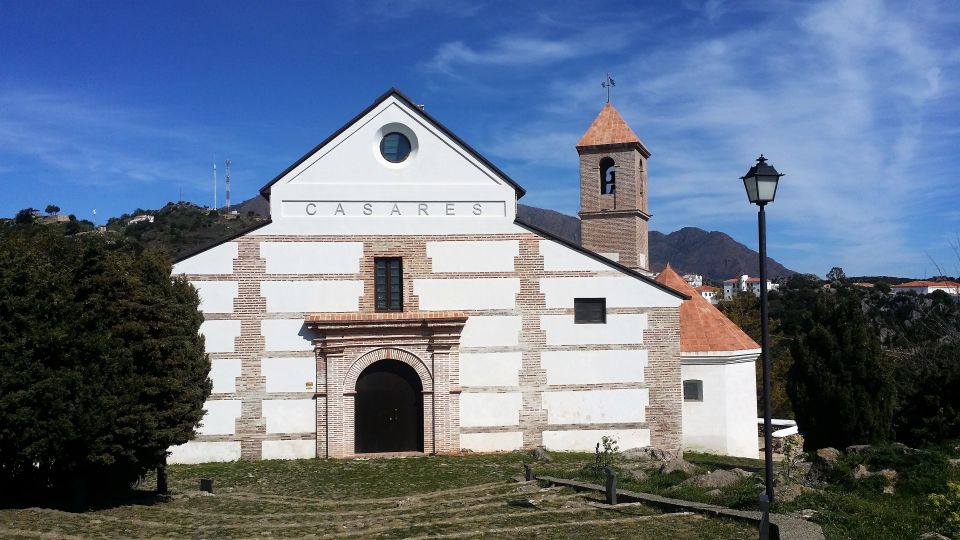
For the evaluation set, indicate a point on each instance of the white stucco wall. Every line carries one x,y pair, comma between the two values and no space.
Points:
467,294
725,422
204,452
491,331
223,374
290,415
483,256
596,406
216,296
220,417
594,367
491,442
285,335
216,260
312,296
289,374
585,440
619,329
490,369
312,257
219,335
289,449
558,257
620,291
490,409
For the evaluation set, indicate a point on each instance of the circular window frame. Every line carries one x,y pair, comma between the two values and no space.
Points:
405,155
402,129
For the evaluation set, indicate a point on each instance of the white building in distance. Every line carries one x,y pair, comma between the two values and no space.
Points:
927,287
745,283
395,303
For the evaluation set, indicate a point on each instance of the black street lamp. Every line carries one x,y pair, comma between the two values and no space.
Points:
761,185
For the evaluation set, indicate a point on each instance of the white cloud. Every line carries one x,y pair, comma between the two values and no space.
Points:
837,94
527,49
92,143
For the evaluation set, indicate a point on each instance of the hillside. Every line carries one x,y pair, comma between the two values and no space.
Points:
179,228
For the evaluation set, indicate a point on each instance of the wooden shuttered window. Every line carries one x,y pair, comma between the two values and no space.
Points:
388,283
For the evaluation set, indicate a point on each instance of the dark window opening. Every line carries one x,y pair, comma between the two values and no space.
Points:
608,176
388,283
693,390
589,310
395,147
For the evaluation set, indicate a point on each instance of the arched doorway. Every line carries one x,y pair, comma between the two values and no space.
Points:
388,409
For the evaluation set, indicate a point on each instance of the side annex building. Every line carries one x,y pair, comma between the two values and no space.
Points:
394,303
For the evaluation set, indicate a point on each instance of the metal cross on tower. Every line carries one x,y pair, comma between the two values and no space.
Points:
608,84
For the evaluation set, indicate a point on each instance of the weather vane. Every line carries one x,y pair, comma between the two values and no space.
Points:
608,84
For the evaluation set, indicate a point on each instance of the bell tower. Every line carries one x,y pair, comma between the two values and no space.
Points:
613,190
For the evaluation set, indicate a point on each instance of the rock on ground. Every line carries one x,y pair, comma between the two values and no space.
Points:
677,464
540,454
718,478
647,453
824,463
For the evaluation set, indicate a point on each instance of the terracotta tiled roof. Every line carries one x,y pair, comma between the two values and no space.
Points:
702,327
924,283
608,128
707,288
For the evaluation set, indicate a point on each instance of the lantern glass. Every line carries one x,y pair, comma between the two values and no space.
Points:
750,183
766,188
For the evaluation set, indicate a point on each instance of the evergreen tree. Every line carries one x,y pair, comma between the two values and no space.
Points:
841,388
101,365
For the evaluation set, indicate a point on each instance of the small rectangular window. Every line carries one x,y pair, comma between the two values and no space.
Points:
693,390
388,283
589,310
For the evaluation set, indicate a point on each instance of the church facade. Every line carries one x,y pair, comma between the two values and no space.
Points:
394,303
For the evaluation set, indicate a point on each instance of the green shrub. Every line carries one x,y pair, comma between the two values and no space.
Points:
947,508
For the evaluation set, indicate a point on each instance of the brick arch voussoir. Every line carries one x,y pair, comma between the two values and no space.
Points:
388,353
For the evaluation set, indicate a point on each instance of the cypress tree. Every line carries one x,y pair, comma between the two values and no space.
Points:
841,389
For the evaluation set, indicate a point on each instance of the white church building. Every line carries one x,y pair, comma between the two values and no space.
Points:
394,303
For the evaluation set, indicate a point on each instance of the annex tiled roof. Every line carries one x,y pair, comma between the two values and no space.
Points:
609,128
707,288
924,283
702,327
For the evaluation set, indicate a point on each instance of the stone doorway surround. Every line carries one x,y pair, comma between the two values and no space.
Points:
347,343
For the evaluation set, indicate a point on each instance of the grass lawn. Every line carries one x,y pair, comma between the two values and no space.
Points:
846,509
455,496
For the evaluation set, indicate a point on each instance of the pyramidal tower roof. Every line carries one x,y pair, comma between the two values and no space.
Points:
609,128
702,327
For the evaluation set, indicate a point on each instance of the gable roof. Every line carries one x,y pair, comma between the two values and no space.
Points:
609,128
926,283
702,327
597,257
393,92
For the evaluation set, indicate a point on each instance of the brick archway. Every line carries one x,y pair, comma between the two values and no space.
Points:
346,344
391,353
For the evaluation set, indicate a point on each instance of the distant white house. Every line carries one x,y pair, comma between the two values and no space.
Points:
745,283
141,218
708,292
927,287
694,280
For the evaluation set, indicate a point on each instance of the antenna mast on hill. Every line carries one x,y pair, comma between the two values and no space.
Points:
228,185
214,184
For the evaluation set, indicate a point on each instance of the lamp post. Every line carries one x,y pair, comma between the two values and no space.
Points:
761,185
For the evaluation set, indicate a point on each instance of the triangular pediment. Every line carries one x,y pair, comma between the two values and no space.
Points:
351,156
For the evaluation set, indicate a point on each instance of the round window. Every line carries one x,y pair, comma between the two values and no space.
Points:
395,147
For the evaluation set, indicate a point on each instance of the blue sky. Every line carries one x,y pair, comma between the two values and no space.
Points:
119,105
